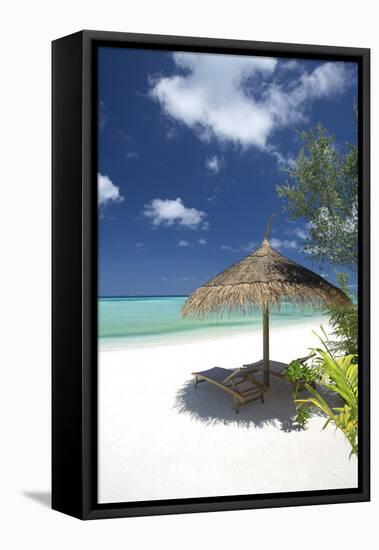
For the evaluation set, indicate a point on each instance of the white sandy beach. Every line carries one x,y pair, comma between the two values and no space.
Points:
160,438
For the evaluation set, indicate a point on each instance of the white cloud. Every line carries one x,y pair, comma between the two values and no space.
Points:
249,247
107,190
140,245
228,248
300,233
132,154
284,161
202,241
168,212
327,79
183,243
241,99
213,164
103,117
171,133
279,243
291,65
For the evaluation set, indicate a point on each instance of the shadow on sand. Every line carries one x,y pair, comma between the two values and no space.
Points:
211,406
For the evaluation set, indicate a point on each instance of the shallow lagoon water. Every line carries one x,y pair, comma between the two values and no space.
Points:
149,320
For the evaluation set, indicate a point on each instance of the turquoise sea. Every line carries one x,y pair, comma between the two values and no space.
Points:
144,321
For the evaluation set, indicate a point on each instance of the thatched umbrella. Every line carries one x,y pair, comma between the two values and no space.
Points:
264,279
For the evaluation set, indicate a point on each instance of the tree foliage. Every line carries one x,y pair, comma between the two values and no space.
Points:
322,188
344,323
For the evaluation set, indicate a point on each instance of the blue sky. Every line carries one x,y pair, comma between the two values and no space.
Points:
191,147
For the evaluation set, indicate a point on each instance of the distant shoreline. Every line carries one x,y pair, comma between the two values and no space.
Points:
142,320
119,343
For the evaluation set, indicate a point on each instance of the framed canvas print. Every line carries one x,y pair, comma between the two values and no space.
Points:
210,275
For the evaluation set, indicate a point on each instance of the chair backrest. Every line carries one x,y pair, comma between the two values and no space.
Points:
253,367
305,359
243,371
232,375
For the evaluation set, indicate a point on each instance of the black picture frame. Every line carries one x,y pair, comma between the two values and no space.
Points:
74,273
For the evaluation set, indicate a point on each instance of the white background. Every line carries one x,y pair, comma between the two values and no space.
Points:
27,29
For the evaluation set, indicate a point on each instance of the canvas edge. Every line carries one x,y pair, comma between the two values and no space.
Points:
83,502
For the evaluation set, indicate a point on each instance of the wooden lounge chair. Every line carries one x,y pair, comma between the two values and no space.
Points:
240,383
276,367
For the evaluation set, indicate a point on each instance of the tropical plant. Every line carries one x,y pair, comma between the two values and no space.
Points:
299,373
340,377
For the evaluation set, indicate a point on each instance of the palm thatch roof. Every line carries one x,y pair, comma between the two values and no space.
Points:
263,279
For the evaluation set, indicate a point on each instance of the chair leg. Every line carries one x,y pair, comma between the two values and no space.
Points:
236,406
262,397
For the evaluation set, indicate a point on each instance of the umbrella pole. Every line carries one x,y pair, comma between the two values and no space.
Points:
266,348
